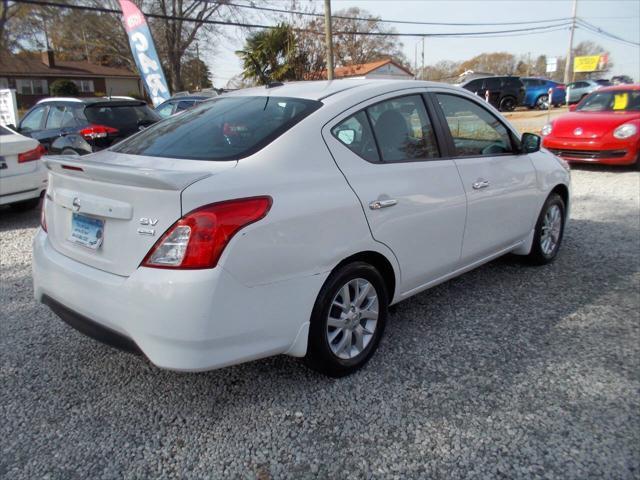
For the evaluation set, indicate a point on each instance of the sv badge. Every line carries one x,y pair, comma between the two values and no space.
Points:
147,221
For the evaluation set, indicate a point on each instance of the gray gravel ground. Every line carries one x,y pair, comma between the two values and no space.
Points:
507,372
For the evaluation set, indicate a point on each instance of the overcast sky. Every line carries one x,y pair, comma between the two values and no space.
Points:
621,17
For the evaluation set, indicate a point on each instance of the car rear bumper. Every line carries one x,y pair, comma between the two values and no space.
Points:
590,151
181,320
26,186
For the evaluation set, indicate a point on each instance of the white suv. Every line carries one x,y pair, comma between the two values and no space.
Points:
287,220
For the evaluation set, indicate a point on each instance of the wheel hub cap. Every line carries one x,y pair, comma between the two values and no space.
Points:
352,319
551,230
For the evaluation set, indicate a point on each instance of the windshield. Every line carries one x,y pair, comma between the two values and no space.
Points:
614,101
225,128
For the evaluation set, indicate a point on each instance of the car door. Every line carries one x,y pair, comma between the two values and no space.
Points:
59,122
500,183
577,90
494,87
413,198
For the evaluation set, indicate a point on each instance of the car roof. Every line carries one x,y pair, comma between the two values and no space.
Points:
89,100
190,97
323,89
613,88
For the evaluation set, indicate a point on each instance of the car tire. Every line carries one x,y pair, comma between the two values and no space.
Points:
508,104
25,205
542,102
344,334
549,231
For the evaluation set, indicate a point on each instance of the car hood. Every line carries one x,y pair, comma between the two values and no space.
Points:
591,124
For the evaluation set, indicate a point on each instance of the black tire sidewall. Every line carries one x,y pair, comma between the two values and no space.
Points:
319,355
507,104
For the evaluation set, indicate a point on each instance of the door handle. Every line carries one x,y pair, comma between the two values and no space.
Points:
378,204
480,184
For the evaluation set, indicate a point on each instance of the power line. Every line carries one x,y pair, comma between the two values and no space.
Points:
595,29
44,3
381,20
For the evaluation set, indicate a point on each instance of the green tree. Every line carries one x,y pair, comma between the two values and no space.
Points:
270,55
196,75
64,88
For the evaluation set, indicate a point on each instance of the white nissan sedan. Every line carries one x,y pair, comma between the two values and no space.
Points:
286,219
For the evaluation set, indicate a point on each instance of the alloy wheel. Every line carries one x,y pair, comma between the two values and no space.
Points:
551,229
352,319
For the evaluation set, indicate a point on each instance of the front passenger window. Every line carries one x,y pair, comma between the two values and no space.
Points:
475,131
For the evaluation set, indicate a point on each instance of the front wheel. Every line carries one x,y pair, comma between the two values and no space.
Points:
549,231
348,320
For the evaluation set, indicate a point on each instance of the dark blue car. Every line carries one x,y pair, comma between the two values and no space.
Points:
537,93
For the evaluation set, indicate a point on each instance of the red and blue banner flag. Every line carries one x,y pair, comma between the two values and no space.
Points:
144,52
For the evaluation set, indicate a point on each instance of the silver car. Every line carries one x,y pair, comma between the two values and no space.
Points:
580,89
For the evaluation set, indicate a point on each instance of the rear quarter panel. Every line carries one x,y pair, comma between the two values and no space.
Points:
314,223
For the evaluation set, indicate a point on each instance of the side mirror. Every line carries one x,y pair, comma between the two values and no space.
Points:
530,143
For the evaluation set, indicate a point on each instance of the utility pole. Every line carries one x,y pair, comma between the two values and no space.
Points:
328,38
422,71
415,60
568,67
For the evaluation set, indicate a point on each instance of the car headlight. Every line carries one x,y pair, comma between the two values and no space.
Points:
546,130
625,130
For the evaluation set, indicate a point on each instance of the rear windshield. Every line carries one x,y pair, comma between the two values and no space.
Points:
225,128
122,117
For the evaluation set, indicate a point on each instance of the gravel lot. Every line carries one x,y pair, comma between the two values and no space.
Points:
509,372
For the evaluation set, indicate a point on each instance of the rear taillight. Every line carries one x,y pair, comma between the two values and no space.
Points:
43,219
91,132
198,239
32,155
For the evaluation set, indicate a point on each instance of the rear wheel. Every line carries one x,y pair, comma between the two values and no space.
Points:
542,103
348,320
549,231
508,104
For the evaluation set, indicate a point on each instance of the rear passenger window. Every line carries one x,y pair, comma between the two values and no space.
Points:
475,131
403,130
60,116
355,134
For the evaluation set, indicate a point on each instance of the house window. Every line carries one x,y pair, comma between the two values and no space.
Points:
4,83
84,86
31,86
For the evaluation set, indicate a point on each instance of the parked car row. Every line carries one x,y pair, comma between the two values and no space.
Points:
507,92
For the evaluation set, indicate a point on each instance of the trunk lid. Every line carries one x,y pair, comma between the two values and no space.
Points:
134,200
11,145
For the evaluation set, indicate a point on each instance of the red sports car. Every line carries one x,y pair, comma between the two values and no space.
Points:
603,128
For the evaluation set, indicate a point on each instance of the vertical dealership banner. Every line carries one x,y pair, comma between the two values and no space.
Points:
144,53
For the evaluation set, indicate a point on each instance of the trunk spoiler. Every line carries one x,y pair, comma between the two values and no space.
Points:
123,174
